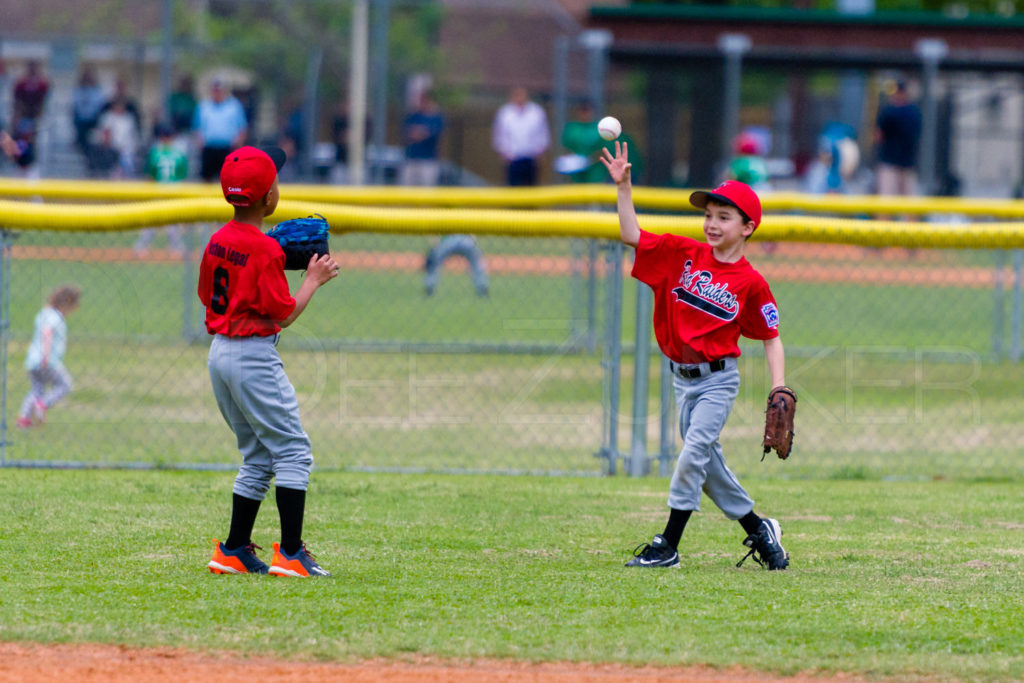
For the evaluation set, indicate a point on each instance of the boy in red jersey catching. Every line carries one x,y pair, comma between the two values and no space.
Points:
706,294
243,286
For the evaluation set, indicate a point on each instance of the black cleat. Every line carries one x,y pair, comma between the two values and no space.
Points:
766,546
657,553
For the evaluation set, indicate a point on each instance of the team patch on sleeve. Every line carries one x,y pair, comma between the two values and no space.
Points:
771,315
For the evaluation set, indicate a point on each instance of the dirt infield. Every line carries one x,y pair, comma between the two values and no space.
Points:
104,663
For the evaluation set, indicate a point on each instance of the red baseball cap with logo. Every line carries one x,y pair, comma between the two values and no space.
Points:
733,193
248,173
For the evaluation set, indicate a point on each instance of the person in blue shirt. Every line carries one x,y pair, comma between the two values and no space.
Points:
221,126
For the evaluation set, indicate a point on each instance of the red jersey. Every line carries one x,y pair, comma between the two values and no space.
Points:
242,283
702,305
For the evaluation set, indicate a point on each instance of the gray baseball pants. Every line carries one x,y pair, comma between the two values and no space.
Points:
259,404
704,406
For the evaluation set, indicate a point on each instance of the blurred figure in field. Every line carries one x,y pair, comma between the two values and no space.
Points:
898,135
220,125
87,101
50,381
165,163
421,135
521,135
118,132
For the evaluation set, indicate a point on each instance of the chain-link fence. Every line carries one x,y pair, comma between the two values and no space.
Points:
494,370
905,359
905,363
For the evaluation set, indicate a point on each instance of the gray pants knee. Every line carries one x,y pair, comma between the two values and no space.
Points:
259,404
704,406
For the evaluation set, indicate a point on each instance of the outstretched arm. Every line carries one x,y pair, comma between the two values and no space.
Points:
618,168
776,357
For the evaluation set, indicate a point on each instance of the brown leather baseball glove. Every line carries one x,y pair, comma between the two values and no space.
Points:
778,422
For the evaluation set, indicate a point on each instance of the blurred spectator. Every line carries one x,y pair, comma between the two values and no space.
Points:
30,93
87,102
23,147
118,131
181,106
521,135
221,126
293,139
131,106
898,135
165,163
581,139
747,164
339,134
421,134
837,161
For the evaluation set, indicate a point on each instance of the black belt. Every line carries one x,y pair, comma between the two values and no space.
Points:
697,370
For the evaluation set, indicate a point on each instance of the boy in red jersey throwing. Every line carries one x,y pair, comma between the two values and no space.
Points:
243,286
706,294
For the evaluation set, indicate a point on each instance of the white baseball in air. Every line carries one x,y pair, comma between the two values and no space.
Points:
609,128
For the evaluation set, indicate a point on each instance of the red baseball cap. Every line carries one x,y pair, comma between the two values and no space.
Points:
733,193
249,172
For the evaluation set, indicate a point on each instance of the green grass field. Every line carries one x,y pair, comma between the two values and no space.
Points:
917,580
900,504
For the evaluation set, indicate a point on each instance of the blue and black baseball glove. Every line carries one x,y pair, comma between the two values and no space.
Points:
301,239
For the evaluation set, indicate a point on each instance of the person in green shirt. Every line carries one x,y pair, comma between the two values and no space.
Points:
748,165
165,163
581,139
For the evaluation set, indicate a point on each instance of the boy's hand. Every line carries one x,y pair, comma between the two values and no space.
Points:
321,269
618,166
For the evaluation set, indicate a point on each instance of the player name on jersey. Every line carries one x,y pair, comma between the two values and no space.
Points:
228,254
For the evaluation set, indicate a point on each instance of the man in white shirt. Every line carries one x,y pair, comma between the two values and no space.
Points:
521,136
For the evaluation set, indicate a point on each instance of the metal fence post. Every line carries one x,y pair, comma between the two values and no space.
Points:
1015,314
639,465
5,327
668,426
931,51
999,305
733,46
612,357
188,327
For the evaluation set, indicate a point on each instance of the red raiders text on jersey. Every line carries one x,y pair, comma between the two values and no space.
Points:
702,305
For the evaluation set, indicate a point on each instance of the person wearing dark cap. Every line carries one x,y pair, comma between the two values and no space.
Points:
898,134
242,284
706,294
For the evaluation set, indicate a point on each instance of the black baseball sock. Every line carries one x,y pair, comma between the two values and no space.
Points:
677,520
243,518
291,504
750,522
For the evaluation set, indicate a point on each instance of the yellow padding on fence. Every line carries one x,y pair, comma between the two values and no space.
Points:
91,217
649,198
